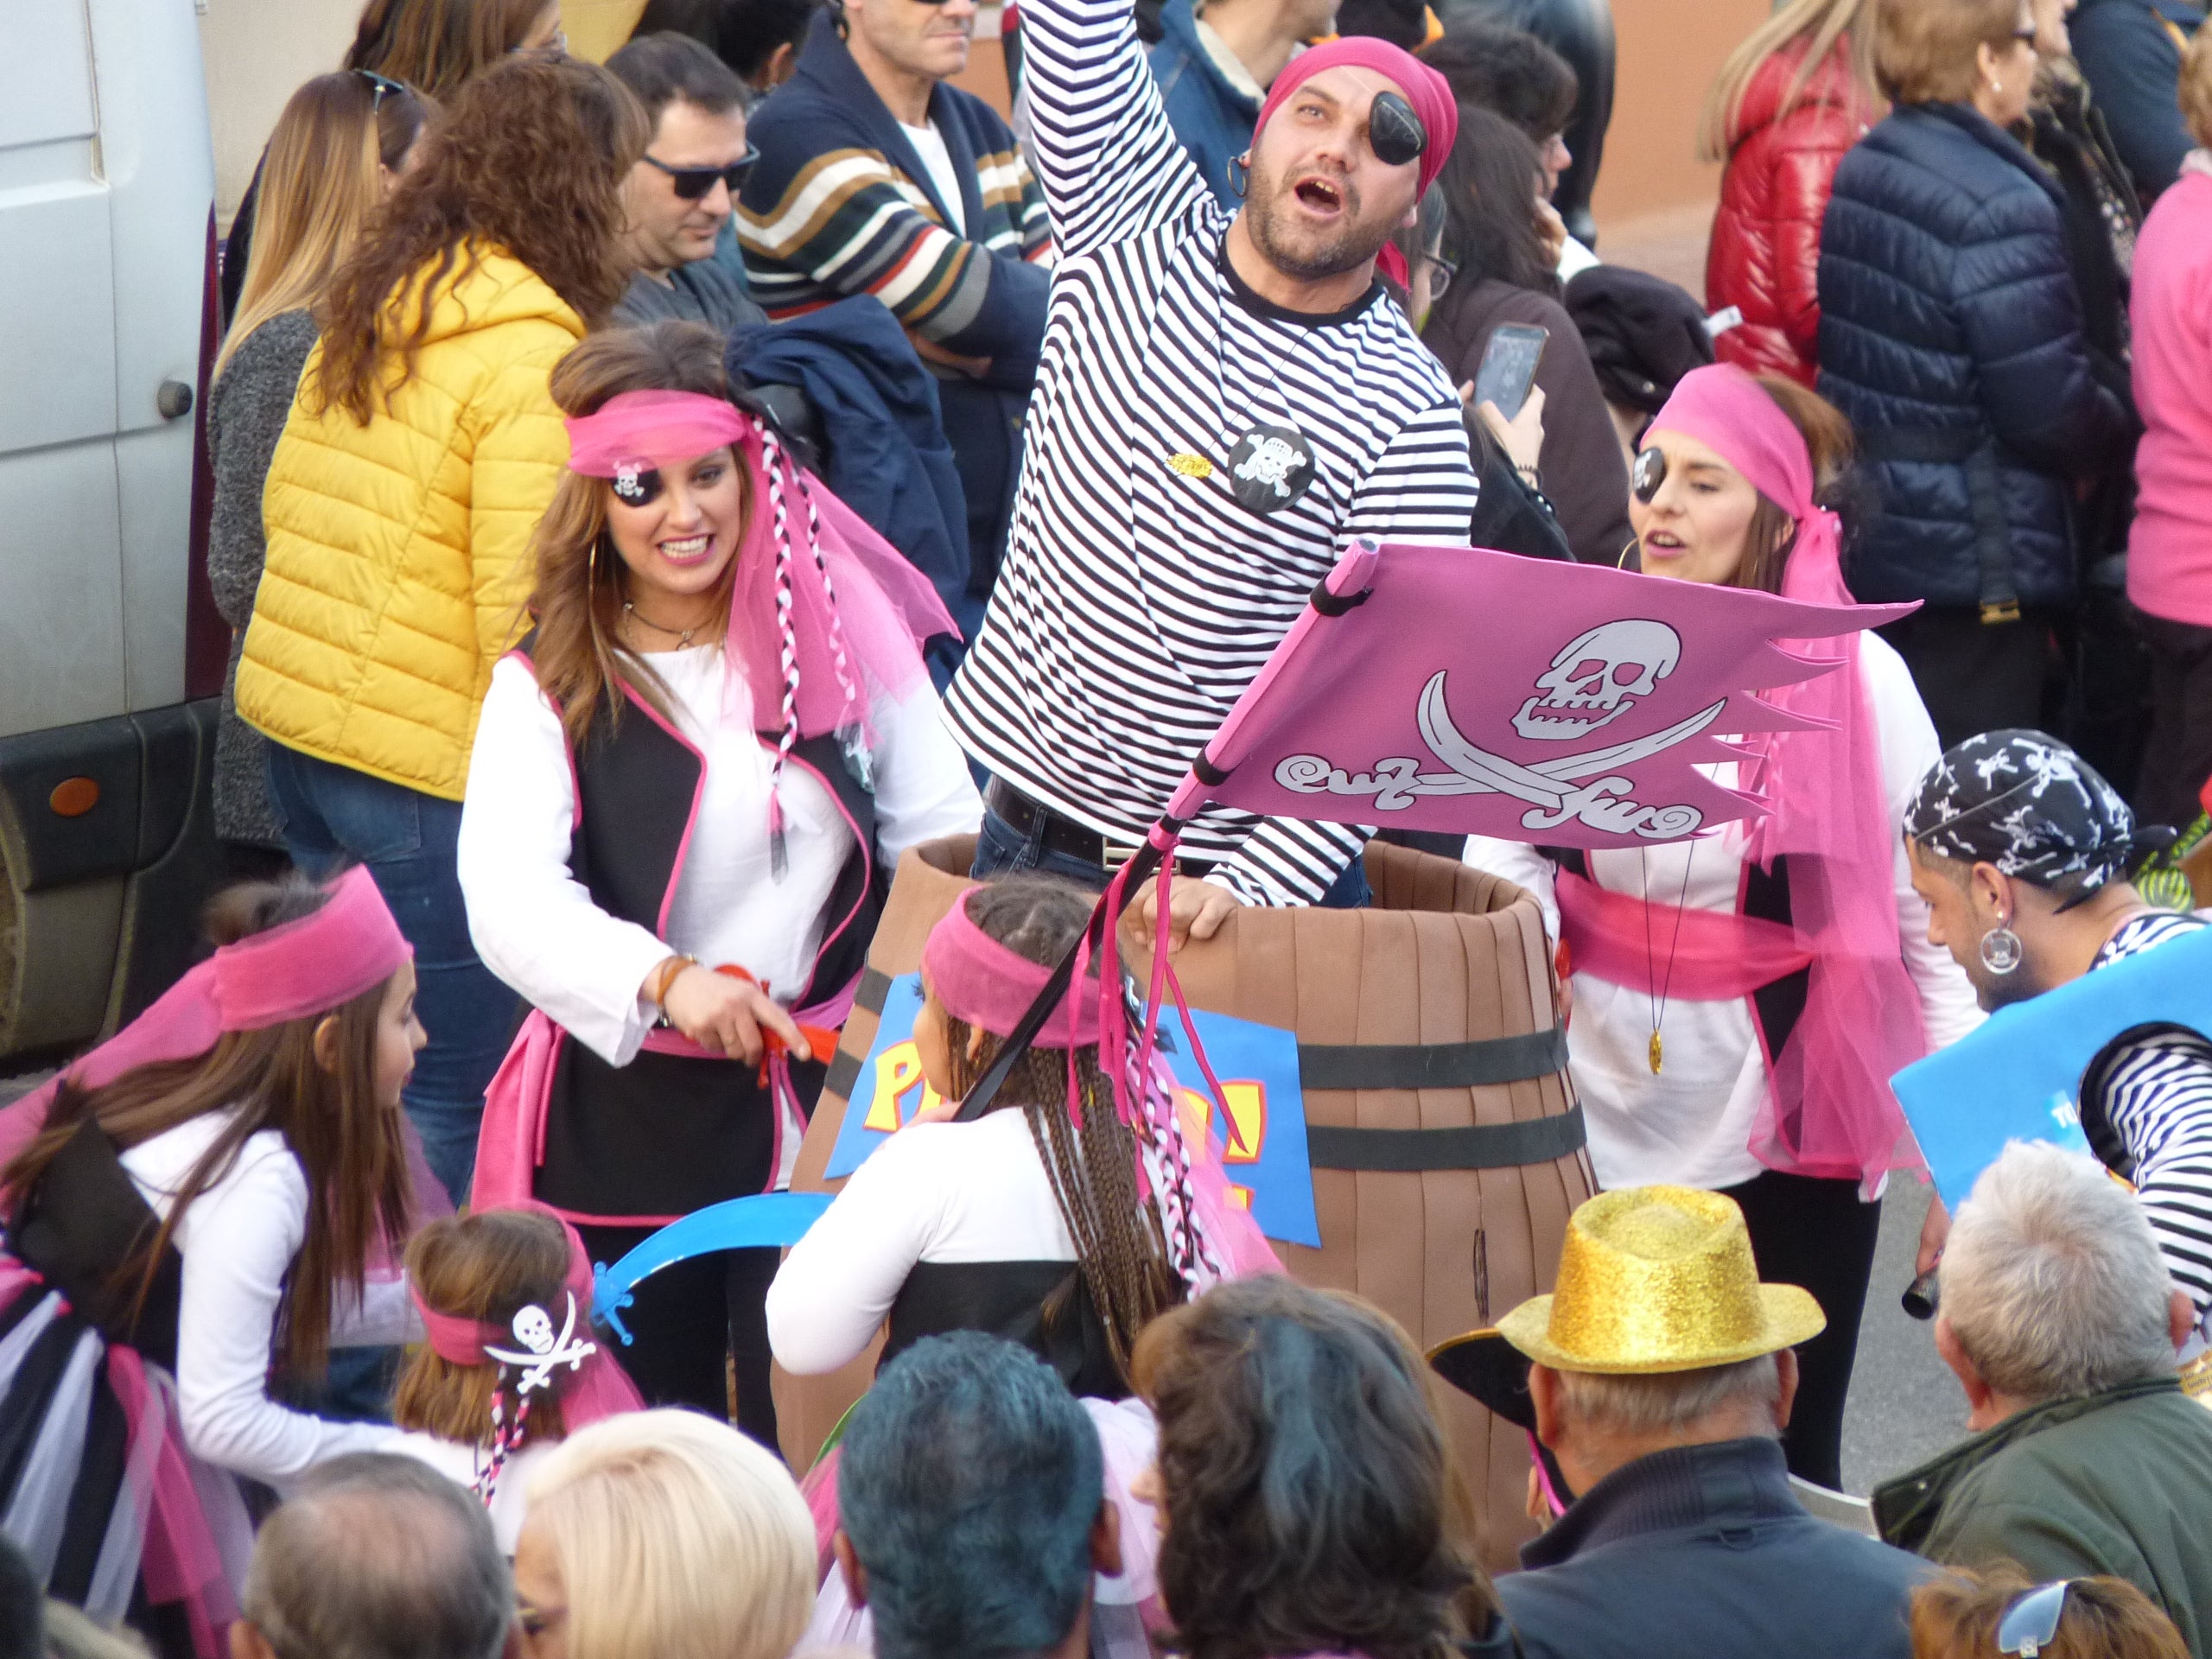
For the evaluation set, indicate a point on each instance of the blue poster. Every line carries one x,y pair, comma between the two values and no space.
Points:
2018,1077
1258,1066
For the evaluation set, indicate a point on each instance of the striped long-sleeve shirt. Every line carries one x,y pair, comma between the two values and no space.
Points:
840,204
2147,1110
1139,596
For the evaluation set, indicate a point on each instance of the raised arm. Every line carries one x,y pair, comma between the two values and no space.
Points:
1099,138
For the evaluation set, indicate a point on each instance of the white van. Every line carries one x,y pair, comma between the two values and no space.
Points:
111,653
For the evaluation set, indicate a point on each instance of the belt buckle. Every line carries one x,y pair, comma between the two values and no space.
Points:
1112,853
2005,610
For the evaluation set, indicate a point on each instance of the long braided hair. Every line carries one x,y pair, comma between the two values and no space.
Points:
1089,1154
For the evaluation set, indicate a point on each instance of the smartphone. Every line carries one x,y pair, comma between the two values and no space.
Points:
1508,366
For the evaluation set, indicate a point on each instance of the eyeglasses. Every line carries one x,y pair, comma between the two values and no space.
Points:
692,183
1440,273
385,88
2030,1624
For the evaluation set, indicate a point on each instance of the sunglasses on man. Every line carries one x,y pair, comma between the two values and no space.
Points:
692,183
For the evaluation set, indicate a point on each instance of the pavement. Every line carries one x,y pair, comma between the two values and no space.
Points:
1905,1405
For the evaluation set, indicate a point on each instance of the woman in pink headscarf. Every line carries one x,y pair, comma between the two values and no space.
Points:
1741,999
197,1207
690,783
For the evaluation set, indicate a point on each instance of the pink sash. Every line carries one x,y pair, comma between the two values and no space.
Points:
1701,956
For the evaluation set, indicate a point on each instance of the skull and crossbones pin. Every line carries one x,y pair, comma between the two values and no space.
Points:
544,1352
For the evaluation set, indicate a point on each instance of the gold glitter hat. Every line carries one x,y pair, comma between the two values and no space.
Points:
1655,1279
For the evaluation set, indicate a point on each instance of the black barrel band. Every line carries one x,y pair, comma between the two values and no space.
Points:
845,1069
1483,1146
1432,1065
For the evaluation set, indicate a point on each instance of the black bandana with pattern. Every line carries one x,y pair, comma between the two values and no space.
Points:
2029,805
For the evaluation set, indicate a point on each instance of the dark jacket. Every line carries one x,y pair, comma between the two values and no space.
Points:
1580,464
1951,334
2128,50
2119,1482
1212,118
882,439
1704,1552
809,240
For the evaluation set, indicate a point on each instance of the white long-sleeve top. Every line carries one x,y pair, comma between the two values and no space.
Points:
1690,1124
239,1239
933,1192
536,925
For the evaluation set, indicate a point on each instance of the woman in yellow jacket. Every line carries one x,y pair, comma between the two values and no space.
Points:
420,451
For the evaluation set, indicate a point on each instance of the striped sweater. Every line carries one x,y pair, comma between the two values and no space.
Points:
839,204
1140,594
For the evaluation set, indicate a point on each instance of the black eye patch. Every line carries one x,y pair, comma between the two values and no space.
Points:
1649,473
1394,132
637,487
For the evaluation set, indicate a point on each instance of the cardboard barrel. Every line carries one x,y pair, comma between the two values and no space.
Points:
1447,1148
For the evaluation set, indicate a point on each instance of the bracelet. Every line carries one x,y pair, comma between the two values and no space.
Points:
1527,474
658,994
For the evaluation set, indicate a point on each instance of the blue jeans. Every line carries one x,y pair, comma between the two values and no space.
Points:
1000,848
333,816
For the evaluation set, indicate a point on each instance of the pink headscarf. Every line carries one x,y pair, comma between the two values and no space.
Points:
983,984
1829,1111
1428,92
823,612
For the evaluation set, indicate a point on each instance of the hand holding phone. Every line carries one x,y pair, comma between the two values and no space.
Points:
1508,366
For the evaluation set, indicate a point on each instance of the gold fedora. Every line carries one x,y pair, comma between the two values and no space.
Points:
1655,1279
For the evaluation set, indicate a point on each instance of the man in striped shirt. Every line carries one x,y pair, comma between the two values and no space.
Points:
877,177
2021,850
1224,403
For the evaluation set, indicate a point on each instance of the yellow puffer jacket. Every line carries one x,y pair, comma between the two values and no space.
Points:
397,567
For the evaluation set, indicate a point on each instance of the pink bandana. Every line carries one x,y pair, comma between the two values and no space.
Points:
1428,92
982,983
640,430
462,1341
308,967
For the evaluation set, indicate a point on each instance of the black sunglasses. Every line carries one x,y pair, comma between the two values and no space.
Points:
1394,132
692,183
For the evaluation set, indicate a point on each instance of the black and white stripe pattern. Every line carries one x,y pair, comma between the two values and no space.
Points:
1138,601
2148,1113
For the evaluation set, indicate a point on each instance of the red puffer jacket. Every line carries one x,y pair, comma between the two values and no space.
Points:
1766,252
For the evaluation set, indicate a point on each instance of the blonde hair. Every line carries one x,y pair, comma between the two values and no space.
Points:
677,1538
1818,24
2195,88
323,177
1924,49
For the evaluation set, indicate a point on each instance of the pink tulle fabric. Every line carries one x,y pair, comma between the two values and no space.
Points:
1828,1110
600,1389
984,984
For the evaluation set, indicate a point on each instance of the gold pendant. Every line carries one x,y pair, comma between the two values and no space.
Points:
1656,1050
1190,466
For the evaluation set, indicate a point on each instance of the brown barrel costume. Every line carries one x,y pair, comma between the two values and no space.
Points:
1446,1149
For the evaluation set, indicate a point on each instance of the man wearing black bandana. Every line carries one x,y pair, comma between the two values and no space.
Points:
2022,852
1225,402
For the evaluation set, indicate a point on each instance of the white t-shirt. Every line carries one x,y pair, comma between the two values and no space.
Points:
459,1463
1690,1124
929,144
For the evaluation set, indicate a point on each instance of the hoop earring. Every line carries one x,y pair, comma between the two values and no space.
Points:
1240,174
2000,949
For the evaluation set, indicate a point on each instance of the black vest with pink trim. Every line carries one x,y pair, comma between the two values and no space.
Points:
668,1134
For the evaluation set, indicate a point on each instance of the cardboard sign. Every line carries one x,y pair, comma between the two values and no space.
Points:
1258,1066
2018,1077
1581,725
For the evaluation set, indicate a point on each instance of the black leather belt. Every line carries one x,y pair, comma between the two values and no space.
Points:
1064,835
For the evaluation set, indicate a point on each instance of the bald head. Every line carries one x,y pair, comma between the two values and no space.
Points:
377,1557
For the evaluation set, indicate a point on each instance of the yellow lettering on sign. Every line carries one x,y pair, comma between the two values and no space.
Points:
897,1070
1247,1111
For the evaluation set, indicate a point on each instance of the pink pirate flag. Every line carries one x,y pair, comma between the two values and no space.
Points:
1459,690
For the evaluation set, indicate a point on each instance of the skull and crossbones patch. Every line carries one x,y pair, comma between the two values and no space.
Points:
1270,467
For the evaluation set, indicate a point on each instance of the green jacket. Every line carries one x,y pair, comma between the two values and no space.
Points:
2115,1483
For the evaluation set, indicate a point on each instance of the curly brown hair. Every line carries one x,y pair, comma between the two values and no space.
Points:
1307,1487
531,161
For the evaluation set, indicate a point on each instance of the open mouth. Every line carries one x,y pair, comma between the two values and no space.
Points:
1319,193
688,549
1660,542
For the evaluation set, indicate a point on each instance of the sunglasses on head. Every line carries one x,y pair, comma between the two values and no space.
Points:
692,183
1394,132
2031,1625
384,86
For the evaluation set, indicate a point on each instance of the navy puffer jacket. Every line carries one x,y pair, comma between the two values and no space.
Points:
1951,334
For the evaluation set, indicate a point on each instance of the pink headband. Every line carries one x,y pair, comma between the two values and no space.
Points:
311,966
1730,413
656,429
982,983
1428,92
462,1341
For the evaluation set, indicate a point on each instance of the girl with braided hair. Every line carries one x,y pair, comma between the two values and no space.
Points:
687,781
1053,1219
